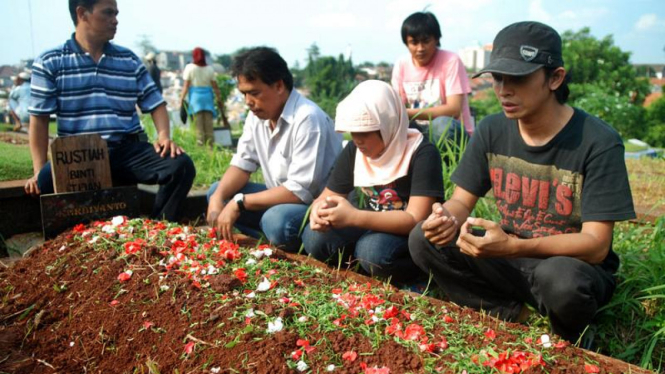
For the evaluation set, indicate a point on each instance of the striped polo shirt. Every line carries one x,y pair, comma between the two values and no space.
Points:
90,97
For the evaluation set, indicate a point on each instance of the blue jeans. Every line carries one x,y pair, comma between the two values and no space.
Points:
439,126
379,254
280,224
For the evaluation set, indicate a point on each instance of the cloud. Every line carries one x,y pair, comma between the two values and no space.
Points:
648,22
537,12
582,17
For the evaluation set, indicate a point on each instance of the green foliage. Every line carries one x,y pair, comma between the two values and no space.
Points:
486,105
226,85
224,60
328,79
604,83
210,164
632,325
655,119
600,62
613,108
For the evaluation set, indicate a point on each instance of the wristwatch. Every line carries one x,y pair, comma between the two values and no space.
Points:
239,198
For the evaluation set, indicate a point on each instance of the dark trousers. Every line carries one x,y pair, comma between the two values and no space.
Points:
567,290
137,162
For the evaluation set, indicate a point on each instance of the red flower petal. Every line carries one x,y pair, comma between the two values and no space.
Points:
147,324
589,368
189,347
349,356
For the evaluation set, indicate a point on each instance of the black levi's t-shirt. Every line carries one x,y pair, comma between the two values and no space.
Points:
424,178
579,176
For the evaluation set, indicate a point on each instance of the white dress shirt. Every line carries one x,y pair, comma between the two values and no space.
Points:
298,154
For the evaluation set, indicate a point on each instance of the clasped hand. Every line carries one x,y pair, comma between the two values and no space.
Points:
334,211
494,243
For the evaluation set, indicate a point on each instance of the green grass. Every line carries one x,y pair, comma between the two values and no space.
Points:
632,325
15,162
210,164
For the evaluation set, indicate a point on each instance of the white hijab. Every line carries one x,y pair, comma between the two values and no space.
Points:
373,105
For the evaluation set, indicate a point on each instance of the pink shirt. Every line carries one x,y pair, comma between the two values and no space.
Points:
420,87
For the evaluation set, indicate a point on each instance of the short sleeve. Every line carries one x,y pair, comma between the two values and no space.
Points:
472,173
246,157
341,177
43,91
427,172
187,73
606,192
456,80
398,79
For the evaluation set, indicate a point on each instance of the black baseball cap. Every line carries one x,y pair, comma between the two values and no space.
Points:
524,47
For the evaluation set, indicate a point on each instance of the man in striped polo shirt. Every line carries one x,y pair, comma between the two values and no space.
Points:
94,86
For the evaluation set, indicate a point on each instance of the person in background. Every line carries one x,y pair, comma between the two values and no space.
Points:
293,142
399,175
201,89
560,183
432,82
19,100
66,82
154,71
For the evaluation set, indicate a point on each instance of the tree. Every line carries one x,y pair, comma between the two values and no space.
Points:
604,83
227,59
328,79
655,118
224,60
600,62
145,44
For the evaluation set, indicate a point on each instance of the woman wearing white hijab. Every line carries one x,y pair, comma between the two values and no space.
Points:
399,175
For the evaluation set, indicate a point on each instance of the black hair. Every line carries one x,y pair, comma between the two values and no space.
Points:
262,63
73,4
563,91
420,25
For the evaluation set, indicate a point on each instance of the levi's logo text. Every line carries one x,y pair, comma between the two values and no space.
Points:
535,200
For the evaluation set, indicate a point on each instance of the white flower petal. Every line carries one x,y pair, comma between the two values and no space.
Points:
263,286
117,221
330,367
302,366
275,326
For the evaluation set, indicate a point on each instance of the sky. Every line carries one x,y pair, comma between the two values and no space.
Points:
367,29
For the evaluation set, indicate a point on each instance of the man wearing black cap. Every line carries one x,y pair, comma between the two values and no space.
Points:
559,180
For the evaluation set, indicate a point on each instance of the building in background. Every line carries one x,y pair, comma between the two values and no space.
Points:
475,58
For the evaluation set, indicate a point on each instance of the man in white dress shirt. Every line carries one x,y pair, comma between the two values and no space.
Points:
293,142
